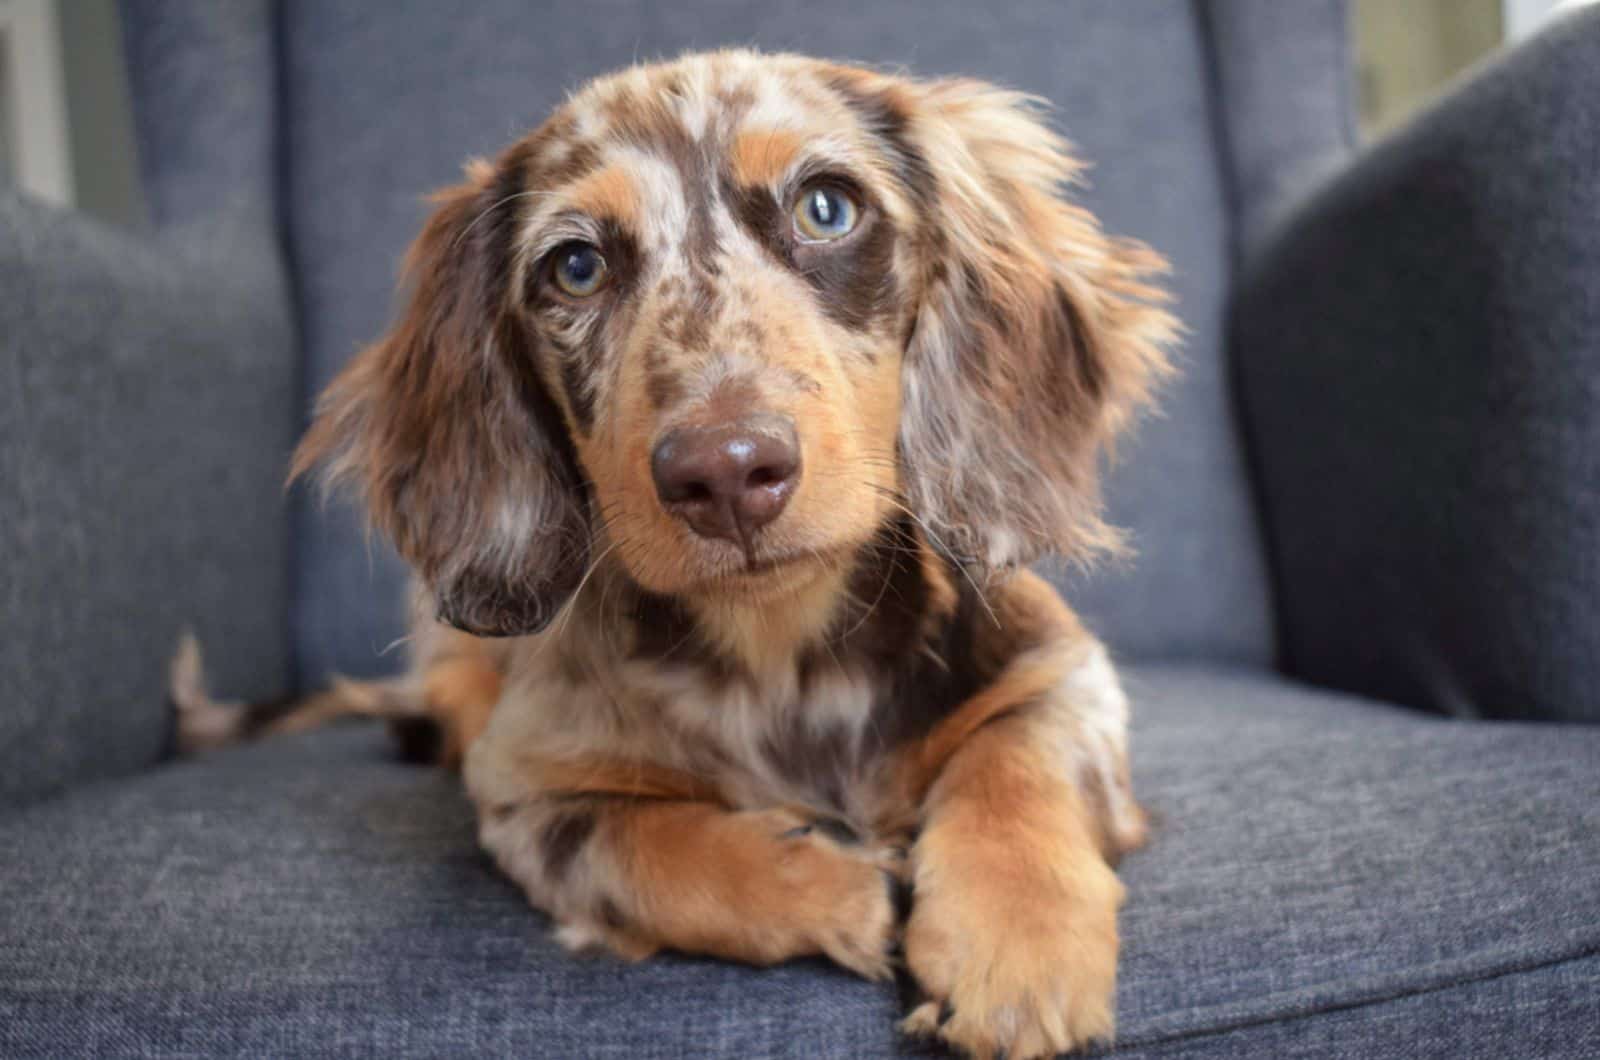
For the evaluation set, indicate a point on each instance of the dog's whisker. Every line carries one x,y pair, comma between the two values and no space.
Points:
491,209
933,539
572,602
403,639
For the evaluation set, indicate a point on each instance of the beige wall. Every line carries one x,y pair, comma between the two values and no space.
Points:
99,121
1407,50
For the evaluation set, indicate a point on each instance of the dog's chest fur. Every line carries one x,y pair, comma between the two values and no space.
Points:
634,678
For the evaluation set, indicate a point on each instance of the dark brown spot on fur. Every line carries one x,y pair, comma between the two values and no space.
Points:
920,649
687,324
665,633
497,217
802,381
748,332
931,685
855,276
1088,365
839,830
820,764
657,128
574,385
888,120
762,216
888,597
562,837
701,244
580,160
663,387
611,914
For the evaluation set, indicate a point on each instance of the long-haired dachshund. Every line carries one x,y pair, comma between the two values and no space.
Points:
723,416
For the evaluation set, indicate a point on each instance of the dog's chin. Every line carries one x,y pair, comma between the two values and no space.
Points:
771,575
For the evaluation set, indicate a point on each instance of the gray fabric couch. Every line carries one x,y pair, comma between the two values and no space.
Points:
1361,637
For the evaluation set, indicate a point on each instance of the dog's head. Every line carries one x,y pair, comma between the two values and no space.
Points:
716,319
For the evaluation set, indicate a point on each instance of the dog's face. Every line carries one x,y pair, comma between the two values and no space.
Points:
716,319
716,276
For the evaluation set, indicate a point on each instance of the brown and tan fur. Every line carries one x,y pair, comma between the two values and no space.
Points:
678,742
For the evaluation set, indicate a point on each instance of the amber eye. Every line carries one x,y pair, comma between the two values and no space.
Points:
578,269
824,213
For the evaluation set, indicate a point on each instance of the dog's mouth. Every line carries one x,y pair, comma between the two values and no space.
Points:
771,572
766,564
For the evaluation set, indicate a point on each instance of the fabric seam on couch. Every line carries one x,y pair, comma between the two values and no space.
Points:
1589,951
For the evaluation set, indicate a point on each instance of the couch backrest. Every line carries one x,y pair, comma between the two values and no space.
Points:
1194,115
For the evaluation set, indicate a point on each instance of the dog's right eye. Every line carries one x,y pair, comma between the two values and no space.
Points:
824,213
578,269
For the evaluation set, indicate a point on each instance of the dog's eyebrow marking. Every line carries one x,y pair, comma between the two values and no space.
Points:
761,157
576,161
608,193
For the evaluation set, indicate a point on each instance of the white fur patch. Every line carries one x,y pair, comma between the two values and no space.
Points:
1093,697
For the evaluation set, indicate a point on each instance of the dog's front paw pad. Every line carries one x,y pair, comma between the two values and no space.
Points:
1029,981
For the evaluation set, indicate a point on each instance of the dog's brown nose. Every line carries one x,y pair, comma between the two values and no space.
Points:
727,481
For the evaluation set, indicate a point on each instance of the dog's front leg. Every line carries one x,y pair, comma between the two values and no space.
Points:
636,872
1013,929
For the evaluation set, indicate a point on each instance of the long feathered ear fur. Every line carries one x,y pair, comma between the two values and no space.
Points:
445,430
1036,338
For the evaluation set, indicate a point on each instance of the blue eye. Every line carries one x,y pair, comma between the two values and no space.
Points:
578,269
824,213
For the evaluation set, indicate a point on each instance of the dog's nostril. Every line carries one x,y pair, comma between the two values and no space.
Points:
764,476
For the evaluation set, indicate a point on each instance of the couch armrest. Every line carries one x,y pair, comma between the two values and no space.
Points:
146,409
1418,359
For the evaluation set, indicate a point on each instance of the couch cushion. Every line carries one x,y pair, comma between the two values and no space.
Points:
1419,357
380,108
144,421
1328,877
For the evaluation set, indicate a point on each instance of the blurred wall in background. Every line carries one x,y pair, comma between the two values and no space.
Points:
1407,49
66,133
99,124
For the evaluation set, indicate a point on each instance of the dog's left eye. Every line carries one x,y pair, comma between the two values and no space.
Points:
578,269
824,213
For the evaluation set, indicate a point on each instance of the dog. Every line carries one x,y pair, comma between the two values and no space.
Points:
721,421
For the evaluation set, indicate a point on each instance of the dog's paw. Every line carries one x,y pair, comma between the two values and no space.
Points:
841,891
1013,960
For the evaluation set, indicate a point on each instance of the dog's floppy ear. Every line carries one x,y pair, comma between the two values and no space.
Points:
444,428
1036,337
